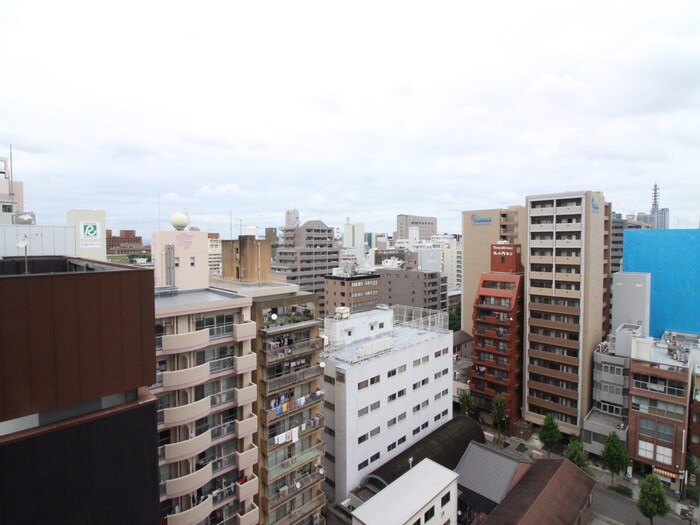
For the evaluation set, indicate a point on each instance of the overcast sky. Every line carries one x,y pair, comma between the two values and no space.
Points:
359,109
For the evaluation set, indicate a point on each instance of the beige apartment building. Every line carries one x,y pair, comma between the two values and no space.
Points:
480,229
417,288
204,388
427,226
567,303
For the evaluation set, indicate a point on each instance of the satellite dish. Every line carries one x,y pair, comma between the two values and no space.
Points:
297,485
22,243
273,317
321,471
322,364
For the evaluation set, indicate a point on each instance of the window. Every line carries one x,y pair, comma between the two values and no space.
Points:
329,431
429,514
191,261
374,406
402,368
425,381
402,416
445,499
381,325
391,373
416,385
177,262
645,450
438,374
374,432
362,438
328,405
328,379
392,397
425,403
425,359
374,380
340,376
402,392
391,446
391,422
437,354
362,384
416,408
424,426
444,413
664,455
437,418
374,457
445,350
362,412
416,430
363,464
401,440
416,362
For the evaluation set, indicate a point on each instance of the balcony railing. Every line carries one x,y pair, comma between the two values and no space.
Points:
298,513
288,465
309,425
276,352
288,379
292,406
221,331
227,396
224,462
288,491
219,365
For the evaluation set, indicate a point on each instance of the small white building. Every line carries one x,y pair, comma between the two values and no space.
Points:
387,383
425,495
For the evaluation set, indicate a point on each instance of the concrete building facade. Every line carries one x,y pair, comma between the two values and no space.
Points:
567,291
387,382
357,291
427,226
413,288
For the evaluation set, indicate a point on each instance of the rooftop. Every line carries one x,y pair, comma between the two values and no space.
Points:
192,297
57,265
413,489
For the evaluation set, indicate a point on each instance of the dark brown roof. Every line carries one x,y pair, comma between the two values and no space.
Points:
553,491
459,337
444,445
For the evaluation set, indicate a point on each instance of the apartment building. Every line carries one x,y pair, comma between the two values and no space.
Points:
427,226
357,291
498,333
452,257
127,242
567,292
204,387
387,383
661,373
617,230
77,425
480,229
417,288
288,346
304,255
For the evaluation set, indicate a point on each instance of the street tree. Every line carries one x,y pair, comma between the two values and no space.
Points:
615,455
499,410
574,452
466,402
652,498
549,433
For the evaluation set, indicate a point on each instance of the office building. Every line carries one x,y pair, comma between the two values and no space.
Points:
126,243
387,383
417,288
498,333
567,290
357,291
354,236
288,347
305,255
204,387
427,226
77,426
480,229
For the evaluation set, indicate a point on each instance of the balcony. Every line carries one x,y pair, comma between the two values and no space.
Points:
545,276
560,292
541,243
247,426
540,259
552,372
184,414
188,483
555,358
196,514
310,426
185,449
555,309
247,458
278,412
247,489
536,290
245,395
186,377
551,407
571,277
244,363
220,431
569,226
554,325
300,484
569,243
220,365
567,259
223,463
251,517
288,465
568,210
276,353
285,380
551,389
554,341
244,331
542,227
538,212
222,331
296,515
186,342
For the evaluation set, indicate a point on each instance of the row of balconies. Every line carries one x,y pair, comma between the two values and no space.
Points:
278,383
298,514
200,512
550,406
277,496
191,412
559,210
559,276
548,259
554,325
310,426
284,467
273,414
191,447
554,308
190,341
276,353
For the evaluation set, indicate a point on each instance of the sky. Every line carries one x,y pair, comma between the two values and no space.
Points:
237,111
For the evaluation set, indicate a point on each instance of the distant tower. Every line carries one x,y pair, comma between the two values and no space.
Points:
291,218
655,199
659,216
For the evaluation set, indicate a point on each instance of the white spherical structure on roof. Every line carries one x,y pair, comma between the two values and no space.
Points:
179,220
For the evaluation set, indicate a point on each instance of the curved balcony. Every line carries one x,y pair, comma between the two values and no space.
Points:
175,343
186,377
244,331
222,463
244,363
246,395
186,413
188,483
247,458
185,449
246,427
196,514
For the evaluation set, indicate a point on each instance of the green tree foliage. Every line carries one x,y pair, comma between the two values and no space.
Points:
466,402
549,433
652,498
574,452
499,410
615,455
454,318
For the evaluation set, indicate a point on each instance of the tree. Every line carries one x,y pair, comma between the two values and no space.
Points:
652,498
615,455
574,452
466,402
549,433
499,410
454,318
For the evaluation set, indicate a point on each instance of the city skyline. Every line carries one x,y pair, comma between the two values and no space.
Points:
246,111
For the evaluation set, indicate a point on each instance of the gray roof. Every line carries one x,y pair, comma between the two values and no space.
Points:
486,471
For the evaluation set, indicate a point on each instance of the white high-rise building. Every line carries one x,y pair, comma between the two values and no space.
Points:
354,235
387,383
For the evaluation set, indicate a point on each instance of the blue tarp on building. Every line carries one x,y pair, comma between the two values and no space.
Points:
672,257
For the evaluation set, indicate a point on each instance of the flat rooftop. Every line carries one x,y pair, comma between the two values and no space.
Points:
188,297
57,265
602,418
